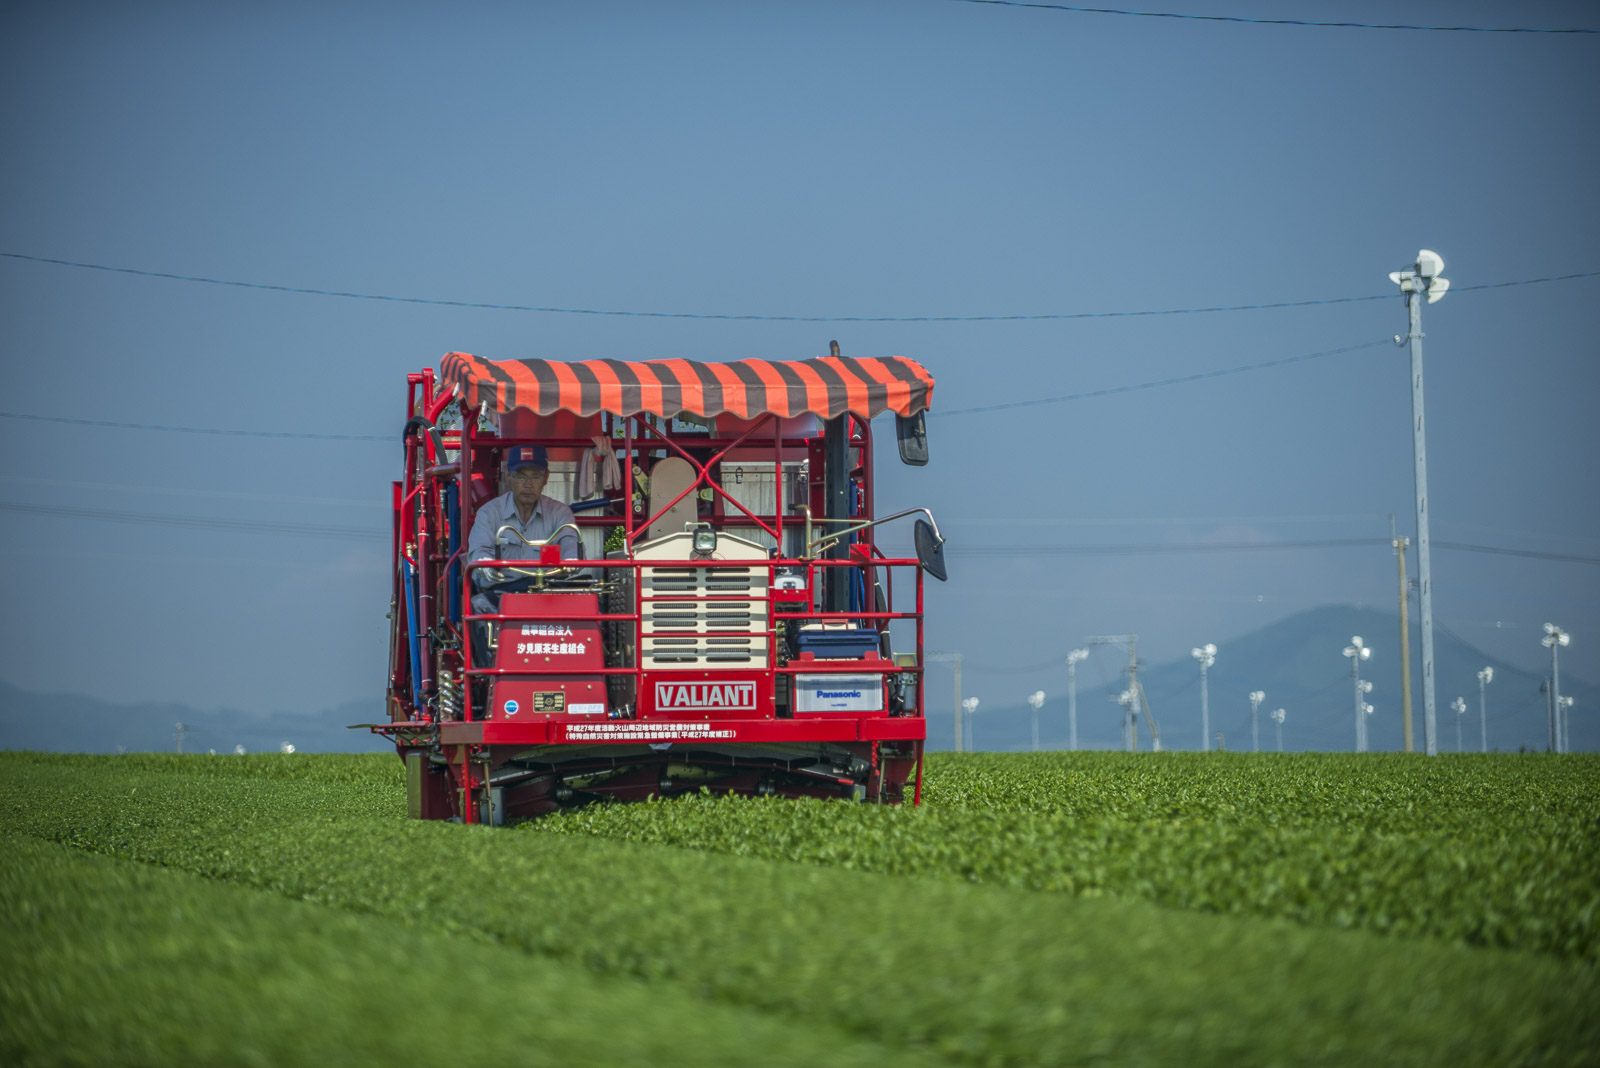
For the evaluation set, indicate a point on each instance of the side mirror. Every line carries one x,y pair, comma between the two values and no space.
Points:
912,431
930,550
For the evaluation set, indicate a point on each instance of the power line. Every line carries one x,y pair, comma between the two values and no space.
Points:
195,522
749,317
216,431
1158,549
1110,391
1198,376
1570,558
1080,9
1153,549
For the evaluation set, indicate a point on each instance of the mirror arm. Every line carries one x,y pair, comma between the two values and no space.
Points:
828,540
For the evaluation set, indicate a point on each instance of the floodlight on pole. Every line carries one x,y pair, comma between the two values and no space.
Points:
1074,658
1564,717
1357,651
1129,700
1485,677
1036,702
1205,656
1256,697
1555,639
1424,279
1278,715
1459,707
969,706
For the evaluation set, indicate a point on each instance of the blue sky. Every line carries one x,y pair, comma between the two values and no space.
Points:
915,158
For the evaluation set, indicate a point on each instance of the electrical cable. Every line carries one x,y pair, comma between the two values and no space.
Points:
195,522
1109,391
1156,549
754,317
1198,376
216,431
1320,24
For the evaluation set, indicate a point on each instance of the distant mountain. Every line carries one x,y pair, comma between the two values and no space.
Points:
64,722
1298,662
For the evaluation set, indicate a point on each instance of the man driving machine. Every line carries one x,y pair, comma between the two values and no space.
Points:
525,510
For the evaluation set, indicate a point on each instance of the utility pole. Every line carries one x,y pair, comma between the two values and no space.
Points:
1459,707
970,707
1074,658
1256,697
1130,718
1485,677
1277,721
1400,546
1425,280
953,659
1205,656
1555,639
178,730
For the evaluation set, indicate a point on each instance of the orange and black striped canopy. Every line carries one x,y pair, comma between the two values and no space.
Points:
825,387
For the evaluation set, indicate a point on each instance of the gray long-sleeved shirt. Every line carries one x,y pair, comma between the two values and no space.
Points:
547,516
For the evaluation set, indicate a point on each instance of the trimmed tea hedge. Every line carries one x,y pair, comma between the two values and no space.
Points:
982,973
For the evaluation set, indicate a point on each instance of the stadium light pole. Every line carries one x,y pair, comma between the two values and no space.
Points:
1485,677
1256,697
1459,707
1277,722
1423,280
1074,658
1358,651
970,707
1129,700
1555,639
1205,656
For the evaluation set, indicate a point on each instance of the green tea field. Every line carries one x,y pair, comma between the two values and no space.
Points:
1037,909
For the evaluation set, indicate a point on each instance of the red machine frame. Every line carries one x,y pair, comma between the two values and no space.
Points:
475,754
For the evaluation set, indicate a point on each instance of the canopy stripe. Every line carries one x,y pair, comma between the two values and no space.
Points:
824,387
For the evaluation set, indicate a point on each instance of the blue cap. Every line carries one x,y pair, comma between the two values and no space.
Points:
527,456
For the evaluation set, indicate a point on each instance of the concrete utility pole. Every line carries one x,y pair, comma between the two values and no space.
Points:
1423,281
1074,658
1130,718
1256,697
1205,656
1485,677
1555,639
1400,546
953,659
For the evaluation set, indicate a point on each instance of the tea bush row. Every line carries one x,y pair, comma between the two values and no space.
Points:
1501,851
112,963
978,974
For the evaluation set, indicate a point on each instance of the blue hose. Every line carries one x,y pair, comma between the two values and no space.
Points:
414,639
452,509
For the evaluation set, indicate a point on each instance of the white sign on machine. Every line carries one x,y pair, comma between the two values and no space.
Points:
838,693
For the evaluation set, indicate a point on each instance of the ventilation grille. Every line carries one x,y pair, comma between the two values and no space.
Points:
703,617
